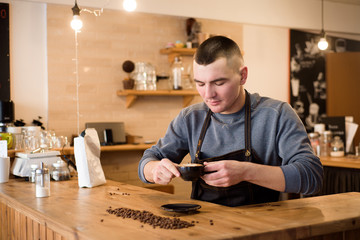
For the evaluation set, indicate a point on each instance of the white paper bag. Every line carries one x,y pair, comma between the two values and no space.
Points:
87,157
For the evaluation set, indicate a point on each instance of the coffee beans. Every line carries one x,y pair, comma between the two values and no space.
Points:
147,217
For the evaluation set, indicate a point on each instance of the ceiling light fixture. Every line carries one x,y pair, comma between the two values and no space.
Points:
129,5
322,44
76,22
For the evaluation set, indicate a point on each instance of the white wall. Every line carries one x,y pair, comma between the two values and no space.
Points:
266,54
304,14
28,60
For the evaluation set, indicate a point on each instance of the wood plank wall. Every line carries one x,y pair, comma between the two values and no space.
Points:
16,225
343,86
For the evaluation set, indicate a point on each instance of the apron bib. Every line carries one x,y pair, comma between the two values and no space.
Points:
242,193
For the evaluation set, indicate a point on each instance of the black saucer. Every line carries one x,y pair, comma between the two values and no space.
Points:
180,207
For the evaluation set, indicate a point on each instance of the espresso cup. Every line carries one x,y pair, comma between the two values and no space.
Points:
191,171
4,169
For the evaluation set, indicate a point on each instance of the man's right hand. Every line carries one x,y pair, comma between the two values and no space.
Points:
161,172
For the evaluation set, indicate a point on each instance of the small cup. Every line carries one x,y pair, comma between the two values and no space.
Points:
191,171
4,169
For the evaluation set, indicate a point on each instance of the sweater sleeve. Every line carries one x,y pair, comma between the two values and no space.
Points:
301,167
174,146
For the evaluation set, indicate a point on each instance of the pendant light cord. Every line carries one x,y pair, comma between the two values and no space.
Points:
322,15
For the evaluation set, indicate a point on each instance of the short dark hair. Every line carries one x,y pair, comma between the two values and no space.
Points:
216,47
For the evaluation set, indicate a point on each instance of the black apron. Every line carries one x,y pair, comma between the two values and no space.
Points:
242,193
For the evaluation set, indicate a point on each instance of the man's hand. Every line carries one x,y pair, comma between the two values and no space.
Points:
230,172
161,172
224,173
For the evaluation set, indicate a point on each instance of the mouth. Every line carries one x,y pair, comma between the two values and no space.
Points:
213,102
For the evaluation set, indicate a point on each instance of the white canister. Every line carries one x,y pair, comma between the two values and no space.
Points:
4,169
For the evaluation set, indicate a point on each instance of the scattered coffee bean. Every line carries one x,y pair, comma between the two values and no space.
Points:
151,219
102,220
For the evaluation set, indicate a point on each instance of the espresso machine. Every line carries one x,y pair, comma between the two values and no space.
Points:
6,114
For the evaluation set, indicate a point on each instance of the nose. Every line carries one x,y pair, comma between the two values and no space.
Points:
209,91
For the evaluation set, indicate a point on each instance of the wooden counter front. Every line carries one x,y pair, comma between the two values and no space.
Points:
80,213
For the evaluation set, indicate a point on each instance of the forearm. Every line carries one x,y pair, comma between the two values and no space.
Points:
267,176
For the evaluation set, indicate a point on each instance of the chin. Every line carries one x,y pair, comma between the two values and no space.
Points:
216,109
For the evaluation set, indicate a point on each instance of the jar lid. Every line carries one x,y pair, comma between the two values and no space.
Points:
313,134
59,163
34,166
42,171
327,133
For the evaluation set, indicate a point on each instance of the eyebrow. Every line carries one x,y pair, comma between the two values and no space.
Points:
212,81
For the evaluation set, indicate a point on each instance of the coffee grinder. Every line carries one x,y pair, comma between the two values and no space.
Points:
6,114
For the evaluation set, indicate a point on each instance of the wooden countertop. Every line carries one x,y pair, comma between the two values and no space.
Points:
80,213
343,162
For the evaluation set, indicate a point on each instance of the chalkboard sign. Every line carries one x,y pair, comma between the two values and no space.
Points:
337,126
4,52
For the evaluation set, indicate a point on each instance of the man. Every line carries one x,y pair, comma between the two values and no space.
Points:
252,147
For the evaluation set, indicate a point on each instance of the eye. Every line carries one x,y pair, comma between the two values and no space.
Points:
219,83
200,84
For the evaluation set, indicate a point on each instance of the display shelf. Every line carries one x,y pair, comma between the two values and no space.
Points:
173,52
131,95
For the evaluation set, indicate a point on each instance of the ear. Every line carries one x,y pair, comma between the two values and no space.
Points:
243,75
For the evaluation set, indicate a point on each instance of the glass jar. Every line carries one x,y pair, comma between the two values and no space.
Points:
325,143
315,142
144,76
337,147
42,181
60,171
32,175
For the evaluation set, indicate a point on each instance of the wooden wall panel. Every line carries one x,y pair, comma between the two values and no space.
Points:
15,224
343,86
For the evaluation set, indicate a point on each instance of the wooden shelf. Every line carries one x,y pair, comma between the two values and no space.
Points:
113,148
131,95
173,52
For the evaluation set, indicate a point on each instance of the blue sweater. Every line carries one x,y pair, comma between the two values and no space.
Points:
277,136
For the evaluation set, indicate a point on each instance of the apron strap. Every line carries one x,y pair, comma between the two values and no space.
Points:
202,134
247,129
247,126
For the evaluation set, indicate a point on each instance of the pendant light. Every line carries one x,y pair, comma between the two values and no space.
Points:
76,22
322,44
129,5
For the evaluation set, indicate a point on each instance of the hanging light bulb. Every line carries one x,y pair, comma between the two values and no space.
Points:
129,5
322,44
76,22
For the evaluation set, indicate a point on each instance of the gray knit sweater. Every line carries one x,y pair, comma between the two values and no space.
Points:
277,136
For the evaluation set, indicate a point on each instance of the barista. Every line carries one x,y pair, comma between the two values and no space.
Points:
253,147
